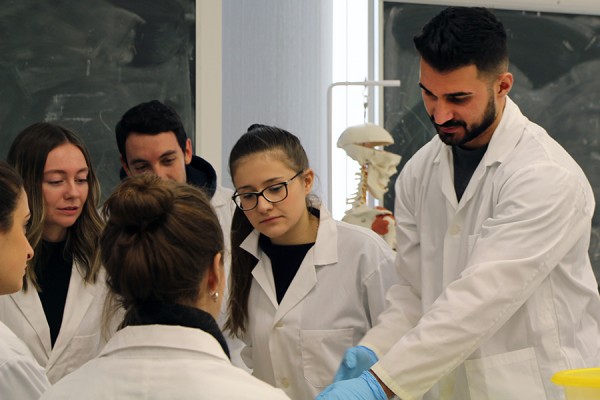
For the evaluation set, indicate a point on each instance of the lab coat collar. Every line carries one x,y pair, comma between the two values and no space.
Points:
157,313
505,138
503,141
326,234
304,281
323,253
79,298
262,274
222,197
29,303
189,340
326,249
507,134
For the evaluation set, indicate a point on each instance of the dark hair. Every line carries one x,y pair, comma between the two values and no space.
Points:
258,139
462,36
11,186
160,239
150,118
28,154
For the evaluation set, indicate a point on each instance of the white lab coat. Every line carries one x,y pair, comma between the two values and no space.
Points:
21,377
162,362
80,337
497,292
224,208
335,297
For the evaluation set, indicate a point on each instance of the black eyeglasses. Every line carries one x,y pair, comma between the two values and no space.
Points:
273,194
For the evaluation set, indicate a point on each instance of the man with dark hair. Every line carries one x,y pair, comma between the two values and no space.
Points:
151,139
493,226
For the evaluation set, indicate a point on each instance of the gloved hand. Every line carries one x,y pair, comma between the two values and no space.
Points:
356,360
365,387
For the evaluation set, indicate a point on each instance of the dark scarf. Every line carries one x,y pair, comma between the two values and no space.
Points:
177,314
201,174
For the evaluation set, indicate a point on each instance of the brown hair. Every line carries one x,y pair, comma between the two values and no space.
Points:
28,154
160,239
258,139
11,186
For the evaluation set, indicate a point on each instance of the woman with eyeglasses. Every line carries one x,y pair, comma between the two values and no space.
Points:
304,287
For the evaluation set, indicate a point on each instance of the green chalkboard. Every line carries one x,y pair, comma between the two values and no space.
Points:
83,63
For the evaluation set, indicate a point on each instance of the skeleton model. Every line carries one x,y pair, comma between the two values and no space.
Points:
376,167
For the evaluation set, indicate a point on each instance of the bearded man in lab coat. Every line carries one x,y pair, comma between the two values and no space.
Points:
493,226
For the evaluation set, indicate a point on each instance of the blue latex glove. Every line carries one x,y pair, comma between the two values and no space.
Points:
365,387
356,360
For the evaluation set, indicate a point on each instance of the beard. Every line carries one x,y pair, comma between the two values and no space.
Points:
489,116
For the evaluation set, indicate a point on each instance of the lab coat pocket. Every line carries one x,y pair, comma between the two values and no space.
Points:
506,376
322,352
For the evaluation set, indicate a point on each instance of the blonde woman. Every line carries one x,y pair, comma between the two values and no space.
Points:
58,313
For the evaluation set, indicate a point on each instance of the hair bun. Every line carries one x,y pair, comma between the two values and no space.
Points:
255,126
140,203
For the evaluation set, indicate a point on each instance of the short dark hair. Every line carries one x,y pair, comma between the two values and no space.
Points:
150,118
462,36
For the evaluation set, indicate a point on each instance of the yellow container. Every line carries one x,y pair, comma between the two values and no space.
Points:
579,384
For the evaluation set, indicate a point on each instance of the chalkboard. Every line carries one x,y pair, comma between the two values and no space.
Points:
555,59
83,63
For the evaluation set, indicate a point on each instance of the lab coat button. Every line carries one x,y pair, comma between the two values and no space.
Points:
454,229
285,383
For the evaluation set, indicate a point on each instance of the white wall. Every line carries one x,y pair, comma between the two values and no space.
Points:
208,82
276,69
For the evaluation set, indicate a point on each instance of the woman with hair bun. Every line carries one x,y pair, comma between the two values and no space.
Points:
21,377
162,248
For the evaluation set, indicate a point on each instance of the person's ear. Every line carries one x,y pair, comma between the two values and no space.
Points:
125,166
187,154
505,83
308,180
216,274
212,287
